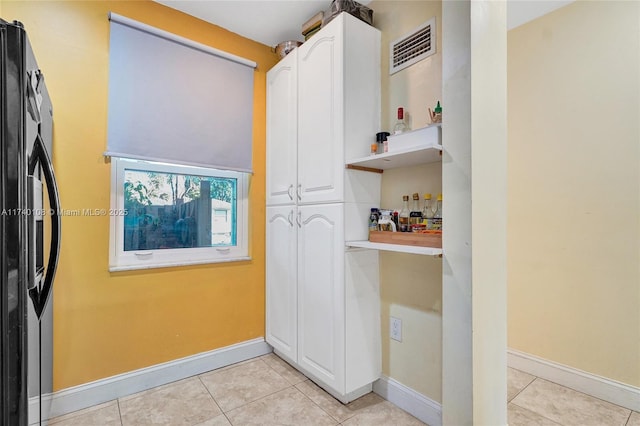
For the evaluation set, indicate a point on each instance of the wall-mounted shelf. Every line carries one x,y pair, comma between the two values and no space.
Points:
428,251
405,158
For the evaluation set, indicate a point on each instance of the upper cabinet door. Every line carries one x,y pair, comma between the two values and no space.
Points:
282,131
320,116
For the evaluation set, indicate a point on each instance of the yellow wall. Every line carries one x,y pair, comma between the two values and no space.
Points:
110,323
574,188
411,285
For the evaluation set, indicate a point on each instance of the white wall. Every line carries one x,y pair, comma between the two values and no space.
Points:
574,188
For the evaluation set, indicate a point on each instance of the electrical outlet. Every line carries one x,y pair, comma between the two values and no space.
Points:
395,329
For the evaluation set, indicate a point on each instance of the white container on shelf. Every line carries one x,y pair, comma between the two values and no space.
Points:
426,136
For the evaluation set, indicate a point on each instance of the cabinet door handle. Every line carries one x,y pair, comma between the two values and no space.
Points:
299,191
290,217
290,192
299,219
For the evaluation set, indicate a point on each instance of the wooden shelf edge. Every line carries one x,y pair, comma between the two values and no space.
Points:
364,169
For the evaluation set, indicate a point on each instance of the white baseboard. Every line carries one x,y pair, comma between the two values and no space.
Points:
414,403
600,387
103,390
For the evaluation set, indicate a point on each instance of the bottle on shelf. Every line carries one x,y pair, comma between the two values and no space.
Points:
427,212
415,216
437,216
386,221
373,220
400,126
436,114
403,216
381,138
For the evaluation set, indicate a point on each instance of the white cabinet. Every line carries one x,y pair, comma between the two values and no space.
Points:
282,291
320,108
321,298
282,131
323,105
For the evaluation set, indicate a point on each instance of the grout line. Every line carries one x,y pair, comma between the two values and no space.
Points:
304,394
628,418
318,405
214,400
520,391
536,413
585,394
119,411
211,395
257,399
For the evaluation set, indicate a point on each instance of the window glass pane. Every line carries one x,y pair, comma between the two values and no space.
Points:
173,210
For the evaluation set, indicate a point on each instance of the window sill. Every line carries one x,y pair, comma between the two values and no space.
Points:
176,264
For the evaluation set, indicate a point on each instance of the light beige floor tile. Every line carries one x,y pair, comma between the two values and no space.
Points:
281,367
384,413
220,420
516,381
634,420
335,408
287,407
518,416
107,414
186,402
568,407
245,383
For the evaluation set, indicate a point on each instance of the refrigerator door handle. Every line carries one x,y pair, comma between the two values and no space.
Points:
41,156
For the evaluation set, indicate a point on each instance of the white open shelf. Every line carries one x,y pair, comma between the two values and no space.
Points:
405,158
415,147
428,251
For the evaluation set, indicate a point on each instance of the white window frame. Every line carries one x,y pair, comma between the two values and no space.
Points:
120,260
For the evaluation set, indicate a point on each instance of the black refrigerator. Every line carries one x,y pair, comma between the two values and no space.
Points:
30,232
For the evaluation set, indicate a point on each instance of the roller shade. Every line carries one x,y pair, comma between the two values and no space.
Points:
177,101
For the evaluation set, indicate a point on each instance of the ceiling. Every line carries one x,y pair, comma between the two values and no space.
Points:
272,21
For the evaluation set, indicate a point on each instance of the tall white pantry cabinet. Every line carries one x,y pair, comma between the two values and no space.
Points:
322,298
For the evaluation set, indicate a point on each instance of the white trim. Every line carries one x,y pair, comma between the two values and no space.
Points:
178,39
110,388
423,408
600,387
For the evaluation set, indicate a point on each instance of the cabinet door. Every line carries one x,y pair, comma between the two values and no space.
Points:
282,135
321,310
320,117
281,283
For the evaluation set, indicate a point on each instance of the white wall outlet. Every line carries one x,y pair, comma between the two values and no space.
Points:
395,329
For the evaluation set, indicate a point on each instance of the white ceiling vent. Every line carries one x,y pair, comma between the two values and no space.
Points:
413,47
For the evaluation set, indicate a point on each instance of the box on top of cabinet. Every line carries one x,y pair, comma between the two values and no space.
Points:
426,136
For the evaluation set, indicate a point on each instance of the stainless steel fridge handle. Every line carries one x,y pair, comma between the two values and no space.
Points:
41,156
32,281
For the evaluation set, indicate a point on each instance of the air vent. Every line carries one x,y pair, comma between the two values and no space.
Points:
413,47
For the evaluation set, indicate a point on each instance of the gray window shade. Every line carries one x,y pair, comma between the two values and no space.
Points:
177,101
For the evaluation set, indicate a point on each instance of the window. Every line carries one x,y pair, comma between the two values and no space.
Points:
169,215
180,131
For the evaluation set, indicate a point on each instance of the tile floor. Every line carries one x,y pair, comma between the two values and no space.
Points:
535,401
267,391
